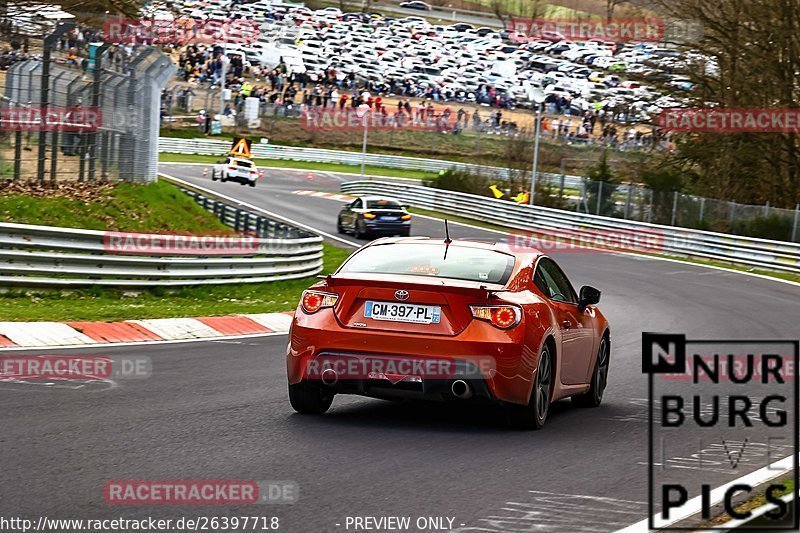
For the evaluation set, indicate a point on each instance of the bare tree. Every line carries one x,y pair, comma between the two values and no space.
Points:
611,5
750,59
507,10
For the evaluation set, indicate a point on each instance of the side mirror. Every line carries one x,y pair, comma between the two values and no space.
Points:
589,296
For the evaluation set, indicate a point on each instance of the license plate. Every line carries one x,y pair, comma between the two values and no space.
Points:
397,312
390,218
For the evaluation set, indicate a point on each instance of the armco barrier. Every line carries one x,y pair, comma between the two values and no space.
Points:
294,153
746,251
52,256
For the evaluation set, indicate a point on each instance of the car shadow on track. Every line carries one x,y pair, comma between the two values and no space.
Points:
443,417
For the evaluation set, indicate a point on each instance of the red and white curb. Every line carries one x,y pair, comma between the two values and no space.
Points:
40,334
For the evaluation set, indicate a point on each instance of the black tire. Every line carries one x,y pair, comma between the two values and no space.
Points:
339,227
309,399
213,174
594,396
361,230
405,233
252,183
222,177
534,414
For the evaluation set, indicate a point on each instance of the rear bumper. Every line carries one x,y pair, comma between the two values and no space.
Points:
415,385
241,178
495,362
383,226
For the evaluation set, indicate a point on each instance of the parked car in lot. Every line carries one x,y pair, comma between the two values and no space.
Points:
373,215
238,169
454,320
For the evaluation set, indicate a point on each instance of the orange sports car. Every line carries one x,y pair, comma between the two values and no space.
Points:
414,317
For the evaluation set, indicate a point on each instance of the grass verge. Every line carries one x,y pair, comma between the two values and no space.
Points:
305,165
119,207
750,505
107,304
159,208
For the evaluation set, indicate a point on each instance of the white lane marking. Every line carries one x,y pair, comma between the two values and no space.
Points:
38,334
340,176
135,343
268,213
178,328
277,322
694,506
553,512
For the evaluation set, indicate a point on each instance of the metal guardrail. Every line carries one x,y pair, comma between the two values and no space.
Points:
52,256
319,155
554,224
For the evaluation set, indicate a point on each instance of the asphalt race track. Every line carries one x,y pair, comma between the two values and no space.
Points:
219,410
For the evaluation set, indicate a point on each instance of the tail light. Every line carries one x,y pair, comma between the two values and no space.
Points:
405,217
313,301
501,316
370,216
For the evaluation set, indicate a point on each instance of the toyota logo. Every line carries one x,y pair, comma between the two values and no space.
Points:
401,295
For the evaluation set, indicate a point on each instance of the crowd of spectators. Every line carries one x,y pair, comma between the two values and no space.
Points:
288,93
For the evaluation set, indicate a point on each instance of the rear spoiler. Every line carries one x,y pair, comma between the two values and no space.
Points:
487,292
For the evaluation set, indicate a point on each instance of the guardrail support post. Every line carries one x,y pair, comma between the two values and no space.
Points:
794,227
702,207
650,208
731,215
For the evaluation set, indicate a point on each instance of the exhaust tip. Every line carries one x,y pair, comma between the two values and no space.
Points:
461,389
329,377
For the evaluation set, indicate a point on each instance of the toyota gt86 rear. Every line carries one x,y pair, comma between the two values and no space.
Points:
424,319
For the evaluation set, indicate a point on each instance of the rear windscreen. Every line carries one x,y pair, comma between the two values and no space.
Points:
247,164
383,204
471,264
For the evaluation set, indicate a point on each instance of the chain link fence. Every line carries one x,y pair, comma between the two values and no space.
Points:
636,202
62,119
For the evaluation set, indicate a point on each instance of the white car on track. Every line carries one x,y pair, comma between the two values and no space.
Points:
236,169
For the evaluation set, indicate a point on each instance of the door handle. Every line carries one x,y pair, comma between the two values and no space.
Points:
566,324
